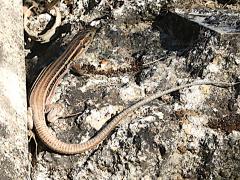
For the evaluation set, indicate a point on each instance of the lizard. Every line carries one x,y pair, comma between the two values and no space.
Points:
49,78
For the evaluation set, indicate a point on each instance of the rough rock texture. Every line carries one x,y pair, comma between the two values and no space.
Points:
193,133
13,130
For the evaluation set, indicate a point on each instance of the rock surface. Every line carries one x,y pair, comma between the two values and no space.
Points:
192,133
13,104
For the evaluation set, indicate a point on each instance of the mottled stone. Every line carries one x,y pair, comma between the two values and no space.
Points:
13,106
138,51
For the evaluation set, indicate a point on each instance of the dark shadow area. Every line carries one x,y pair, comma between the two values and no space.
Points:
177,33
227,1
46,53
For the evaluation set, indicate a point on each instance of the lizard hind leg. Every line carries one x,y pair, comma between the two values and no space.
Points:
57,111
54,111
31,134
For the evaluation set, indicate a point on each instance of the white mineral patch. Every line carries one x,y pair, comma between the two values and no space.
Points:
44,18
174,159
235,135
125,79
131,93
193,145
213,68
41,175
159,114
198,120
119,11
145,122
196,131
237,60
193,97
177,106
92,83
98,118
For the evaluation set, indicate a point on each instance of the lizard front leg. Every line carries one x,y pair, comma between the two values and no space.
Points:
54,112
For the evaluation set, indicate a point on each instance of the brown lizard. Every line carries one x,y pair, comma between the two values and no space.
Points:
49,78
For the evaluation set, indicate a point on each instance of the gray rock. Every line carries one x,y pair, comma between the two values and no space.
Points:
138,51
